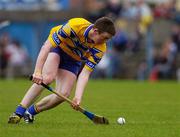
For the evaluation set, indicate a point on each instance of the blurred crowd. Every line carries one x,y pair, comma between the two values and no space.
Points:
135,22
14,60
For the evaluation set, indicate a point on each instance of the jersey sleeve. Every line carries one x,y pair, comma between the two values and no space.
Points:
72,28
67,32
53,36
95,55
61,33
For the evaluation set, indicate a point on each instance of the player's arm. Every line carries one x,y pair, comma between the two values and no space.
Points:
83,78
80,86
37,75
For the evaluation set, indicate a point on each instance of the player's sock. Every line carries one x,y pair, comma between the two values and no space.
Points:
20,110
32,110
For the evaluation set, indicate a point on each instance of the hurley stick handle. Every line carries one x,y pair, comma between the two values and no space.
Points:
58,94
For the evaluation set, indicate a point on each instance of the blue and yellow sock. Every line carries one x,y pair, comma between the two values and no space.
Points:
32,110
20,110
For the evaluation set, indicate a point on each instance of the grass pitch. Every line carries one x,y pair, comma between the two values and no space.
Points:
150,110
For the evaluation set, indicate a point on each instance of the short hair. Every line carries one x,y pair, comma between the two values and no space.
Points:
105,24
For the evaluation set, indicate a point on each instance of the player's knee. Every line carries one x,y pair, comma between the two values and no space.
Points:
57,100
66,94
48,79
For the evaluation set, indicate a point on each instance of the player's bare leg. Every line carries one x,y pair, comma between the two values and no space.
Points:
49,73
64,84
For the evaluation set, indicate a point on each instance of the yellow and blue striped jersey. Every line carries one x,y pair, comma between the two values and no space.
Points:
72,37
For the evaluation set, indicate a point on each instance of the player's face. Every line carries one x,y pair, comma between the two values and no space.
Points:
100,38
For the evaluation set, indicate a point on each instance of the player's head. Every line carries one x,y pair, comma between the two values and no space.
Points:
103,30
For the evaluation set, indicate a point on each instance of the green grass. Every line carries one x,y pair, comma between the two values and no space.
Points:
150,110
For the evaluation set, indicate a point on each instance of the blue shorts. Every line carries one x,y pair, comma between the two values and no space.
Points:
67,62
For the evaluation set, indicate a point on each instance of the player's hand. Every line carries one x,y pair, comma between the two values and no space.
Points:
37,78
75,103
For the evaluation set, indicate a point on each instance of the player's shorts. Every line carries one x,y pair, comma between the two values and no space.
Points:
67,62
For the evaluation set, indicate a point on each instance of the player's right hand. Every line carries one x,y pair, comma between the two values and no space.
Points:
37,78
75,103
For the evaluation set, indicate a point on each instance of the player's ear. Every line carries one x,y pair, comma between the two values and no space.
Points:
96,31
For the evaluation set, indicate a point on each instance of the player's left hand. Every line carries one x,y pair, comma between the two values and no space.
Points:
75,103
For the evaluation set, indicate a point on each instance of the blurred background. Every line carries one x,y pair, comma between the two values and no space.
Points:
145,47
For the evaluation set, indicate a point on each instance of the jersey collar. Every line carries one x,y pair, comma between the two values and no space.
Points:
86,32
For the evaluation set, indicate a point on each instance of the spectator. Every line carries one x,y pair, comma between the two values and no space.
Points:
134,42
142,71
17,60
114,68
161,10
113,8
145,16
101,68
164,65
110,65
129,10
140,12
167,10
176,35
120,41
95,9
4,41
